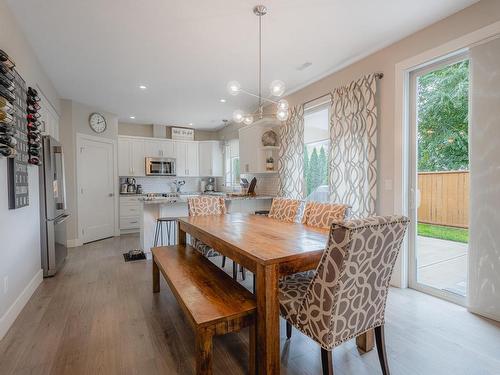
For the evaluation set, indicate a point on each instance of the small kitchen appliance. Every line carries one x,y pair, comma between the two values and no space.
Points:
210,186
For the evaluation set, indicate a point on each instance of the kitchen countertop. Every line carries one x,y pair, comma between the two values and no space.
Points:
183,198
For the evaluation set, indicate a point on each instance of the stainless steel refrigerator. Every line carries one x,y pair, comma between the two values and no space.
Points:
53,212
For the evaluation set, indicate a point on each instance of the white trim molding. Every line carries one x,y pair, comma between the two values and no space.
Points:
15,309
401,119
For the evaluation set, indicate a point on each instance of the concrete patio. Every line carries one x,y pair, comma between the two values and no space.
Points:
442,264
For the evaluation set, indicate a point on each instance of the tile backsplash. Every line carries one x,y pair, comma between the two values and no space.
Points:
266,184
164,184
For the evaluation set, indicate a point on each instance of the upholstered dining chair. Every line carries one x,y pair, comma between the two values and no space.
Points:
285,209
205,205
323,215
346,295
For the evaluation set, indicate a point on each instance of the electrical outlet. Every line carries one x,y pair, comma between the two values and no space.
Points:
5,284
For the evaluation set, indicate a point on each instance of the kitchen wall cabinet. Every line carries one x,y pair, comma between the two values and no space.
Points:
187,163
131,156
164,148
193,158
210,155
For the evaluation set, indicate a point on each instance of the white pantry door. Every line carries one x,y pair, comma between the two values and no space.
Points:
96,185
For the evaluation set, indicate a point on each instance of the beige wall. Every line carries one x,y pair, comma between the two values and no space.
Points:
146,130
74,120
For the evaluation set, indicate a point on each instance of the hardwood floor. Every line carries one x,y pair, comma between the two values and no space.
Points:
99,316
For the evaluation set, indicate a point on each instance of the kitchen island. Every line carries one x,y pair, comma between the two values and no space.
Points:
151,209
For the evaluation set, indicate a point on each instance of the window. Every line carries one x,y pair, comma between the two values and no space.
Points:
231,164
316,149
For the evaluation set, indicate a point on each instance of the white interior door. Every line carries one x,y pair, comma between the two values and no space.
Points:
96,184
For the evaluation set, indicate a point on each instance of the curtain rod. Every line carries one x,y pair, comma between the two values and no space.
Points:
377,75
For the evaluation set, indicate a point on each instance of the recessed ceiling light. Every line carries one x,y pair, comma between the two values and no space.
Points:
222,100
142,87
304,66
132,117
190,124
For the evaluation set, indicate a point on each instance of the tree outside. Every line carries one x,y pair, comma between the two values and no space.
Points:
442,106
315,166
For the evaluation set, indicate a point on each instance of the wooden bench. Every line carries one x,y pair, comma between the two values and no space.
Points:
212,301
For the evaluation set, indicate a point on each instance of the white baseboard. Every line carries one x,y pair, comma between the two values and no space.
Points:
74,243
495,317
10,316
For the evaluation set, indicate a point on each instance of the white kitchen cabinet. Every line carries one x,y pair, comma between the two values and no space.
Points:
130,212
164,148
131,156
210,155
187,163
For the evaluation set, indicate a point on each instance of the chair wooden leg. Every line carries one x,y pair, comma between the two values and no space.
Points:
156,277
254,283
235,271
382,354
204,352
327,361
288,331
223,261
243,273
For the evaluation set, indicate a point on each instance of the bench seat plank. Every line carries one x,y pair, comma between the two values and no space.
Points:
208,295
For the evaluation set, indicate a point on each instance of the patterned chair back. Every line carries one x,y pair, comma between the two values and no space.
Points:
323,215
285,209
348,292
205,205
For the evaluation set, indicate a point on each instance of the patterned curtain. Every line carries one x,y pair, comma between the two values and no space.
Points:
291,155
353,135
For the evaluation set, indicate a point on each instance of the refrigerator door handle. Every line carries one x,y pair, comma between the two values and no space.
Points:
61,219
58,151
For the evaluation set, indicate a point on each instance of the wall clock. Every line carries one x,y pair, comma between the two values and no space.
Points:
97,123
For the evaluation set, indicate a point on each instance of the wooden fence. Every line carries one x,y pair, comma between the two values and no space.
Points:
444,198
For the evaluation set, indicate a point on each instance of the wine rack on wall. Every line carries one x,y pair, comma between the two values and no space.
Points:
14,131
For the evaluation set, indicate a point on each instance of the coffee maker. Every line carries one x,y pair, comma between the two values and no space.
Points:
210,185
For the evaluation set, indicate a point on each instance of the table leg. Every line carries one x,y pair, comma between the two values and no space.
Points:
156,277
268,329
181,235
365,341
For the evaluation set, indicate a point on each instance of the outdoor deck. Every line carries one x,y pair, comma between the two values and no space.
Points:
442,264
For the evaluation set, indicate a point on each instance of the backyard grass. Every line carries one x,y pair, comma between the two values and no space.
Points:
444,233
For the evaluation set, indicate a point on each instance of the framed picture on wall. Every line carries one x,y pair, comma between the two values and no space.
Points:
183,134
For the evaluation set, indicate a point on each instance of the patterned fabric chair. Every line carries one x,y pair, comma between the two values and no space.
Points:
323,215
285,209
205,205
347,293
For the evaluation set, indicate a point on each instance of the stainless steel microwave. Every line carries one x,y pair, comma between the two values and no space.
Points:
160,167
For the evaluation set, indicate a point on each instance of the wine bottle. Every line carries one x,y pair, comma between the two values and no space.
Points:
7,94
8,140
7,151
6,60
5,117
32,92
34,152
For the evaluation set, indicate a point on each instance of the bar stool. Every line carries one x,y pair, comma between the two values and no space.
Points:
170,224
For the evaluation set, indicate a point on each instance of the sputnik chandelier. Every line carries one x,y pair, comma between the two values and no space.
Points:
276,88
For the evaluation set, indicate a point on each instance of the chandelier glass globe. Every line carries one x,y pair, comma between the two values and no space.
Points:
282,115
233,88
248,119
277,88
283,105
238,116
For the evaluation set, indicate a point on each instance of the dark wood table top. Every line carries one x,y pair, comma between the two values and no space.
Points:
262,239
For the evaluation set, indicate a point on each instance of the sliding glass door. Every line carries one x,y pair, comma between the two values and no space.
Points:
439,178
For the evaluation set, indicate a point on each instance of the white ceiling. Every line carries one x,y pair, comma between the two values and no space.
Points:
98,52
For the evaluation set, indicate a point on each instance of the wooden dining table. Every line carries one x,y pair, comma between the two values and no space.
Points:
270,249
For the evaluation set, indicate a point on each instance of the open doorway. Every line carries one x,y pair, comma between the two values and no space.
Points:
439,178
